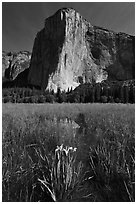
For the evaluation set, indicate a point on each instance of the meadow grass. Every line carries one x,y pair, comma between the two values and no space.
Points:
102,168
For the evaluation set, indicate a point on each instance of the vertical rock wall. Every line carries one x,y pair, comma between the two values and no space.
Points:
70,51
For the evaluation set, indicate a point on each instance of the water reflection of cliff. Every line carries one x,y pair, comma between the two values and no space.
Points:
87,135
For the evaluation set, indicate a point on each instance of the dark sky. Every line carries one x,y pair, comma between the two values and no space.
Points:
21,20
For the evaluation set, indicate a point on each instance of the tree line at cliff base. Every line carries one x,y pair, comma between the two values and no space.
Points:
112,92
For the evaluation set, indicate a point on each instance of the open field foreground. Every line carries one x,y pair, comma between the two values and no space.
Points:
68,152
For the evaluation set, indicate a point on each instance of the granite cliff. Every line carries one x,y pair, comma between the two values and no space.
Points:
70,51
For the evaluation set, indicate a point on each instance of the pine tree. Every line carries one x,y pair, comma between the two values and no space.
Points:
71,89
52,92
93,95
97,93
122,94
68,91
132,94
105,91
126,94
58,95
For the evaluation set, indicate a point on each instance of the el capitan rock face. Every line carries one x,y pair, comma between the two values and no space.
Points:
69,51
